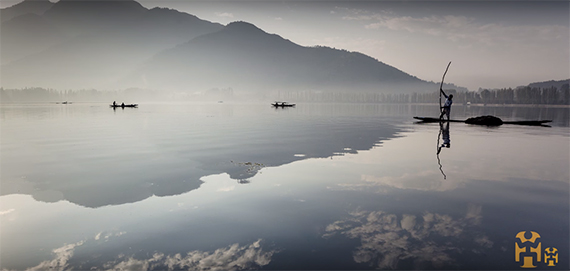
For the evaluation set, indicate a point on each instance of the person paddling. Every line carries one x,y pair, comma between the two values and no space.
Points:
446,108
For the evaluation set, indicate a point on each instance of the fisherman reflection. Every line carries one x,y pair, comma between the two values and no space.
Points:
444,133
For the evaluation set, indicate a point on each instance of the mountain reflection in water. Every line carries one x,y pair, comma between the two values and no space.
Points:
95,157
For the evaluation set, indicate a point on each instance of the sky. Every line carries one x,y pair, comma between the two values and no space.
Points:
491,44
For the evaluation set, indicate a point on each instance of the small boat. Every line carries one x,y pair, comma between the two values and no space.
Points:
282,104
123,105
487,121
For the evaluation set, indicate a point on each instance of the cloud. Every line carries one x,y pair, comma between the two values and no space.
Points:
387,239
60,262
226,188
232,257
429,180
352,14
225,14
104,235
484,241
459,28
373,26
7,211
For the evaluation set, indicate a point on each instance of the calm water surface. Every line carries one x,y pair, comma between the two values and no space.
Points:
234,186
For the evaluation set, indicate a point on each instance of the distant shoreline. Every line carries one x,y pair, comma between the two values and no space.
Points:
313,102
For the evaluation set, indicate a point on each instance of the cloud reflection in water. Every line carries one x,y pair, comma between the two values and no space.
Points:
232,257
392,241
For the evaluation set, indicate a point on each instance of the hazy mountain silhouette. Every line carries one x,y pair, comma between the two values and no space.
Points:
78,44
24,31
37,7
81,16
548,84
25,35
89,43
243,56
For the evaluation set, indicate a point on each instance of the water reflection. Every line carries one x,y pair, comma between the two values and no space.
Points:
232,257
443,134
429,240
89,156
383,207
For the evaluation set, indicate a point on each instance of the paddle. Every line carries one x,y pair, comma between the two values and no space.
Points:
441,86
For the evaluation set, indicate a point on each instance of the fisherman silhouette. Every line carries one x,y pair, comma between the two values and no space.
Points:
443,134
444,131
446,108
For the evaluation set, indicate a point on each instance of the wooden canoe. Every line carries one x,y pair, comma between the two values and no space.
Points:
126,105
487,120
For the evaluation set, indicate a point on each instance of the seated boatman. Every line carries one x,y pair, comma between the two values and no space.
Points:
446,108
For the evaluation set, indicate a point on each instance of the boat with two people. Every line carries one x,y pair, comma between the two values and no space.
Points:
122,105
282,104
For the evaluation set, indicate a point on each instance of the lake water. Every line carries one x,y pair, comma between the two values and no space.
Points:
231,186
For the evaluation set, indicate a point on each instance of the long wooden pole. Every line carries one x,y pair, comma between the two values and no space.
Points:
440,86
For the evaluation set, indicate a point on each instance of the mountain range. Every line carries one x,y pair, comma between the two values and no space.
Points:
559,84
117,44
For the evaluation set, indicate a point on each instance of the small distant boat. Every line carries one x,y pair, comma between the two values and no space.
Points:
282,104
123,105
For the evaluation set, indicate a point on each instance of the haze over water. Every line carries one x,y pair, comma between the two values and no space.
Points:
246,186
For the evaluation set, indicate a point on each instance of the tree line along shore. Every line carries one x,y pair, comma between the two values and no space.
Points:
556,96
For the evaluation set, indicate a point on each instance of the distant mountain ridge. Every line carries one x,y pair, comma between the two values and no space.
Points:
244,56
552,83
121,44
89,44
37,7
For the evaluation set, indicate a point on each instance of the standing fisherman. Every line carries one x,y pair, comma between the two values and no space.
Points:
446,108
